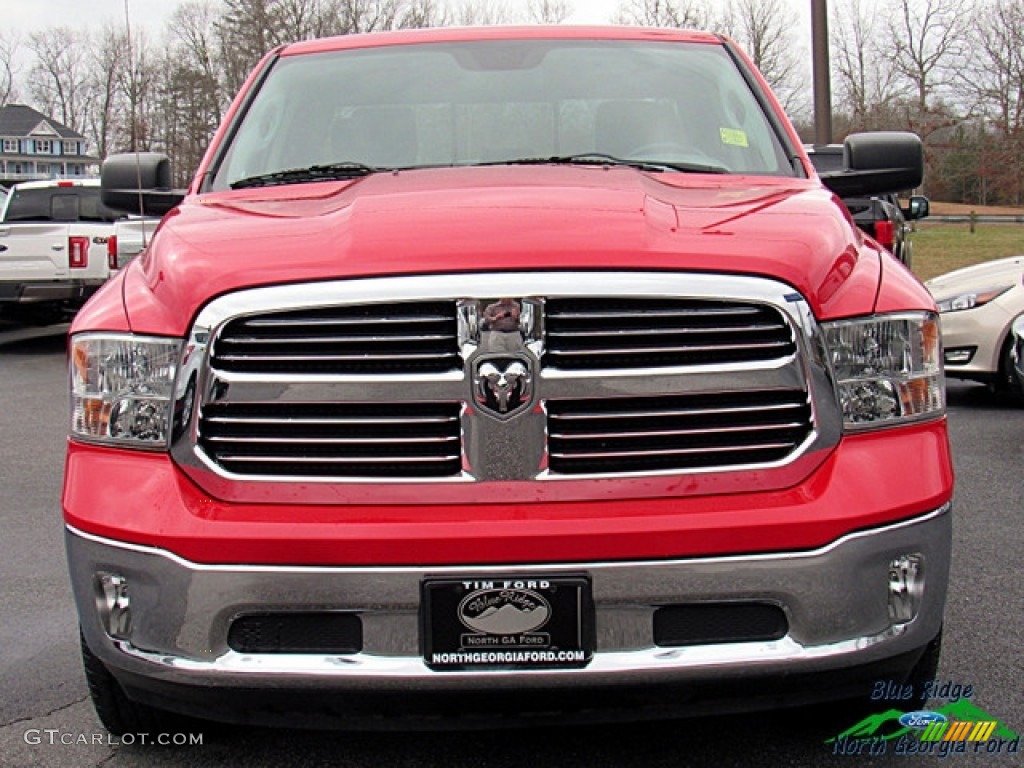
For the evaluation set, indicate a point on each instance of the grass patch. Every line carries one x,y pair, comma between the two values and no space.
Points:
941,248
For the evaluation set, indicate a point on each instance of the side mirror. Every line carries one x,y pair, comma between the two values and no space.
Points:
138,183
878,163
917,209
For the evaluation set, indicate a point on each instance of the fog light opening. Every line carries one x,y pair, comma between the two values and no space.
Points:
959,355
113,604
906,587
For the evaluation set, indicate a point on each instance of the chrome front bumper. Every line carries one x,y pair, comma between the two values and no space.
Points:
835,600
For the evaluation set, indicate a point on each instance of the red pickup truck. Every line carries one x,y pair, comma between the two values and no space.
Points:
505,371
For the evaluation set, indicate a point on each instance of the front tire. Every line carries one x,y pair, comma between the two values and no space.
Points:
1006,379
118,713
926,668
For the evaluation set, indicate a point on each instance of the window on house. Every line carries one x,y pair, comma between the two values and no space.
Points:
10,145
70,147
44,147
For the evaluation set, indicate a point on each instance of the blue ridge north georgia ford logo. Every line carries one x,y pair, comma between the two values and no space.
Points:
504,611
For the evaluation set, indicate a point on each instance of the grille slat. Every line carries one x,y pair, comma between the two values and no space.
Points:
353,339
737,329
305,321
401,338
676,432
650,310
681,350
333,440
337,422
419,440
616,332
678,451
331,460
705,412
298,360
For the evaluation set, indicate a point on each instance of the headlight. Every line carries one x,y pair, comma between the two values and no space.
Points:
121,387
971,300
888,368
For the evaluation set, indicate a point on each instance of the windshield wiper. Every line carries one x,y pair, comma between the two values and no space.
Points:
600,158
327,172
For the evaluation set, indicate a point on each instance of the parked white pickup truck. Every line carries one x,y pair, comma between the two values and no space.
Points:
130,238
53,247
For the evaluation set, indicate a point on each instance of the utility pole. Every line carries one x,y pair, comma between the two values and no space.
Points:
822,83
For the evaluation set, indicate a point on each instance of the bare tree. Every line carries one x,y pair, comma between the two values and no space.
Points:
137,84
187,114
482,13
8,72
58,80
863,81
245,31
425,13
107,64
927,42
548,11
663,13
994,83
995,78
304,19
193,34
358,16
765,30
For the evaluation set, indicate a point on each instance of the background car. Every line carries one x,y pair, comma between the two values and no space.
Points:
978,305
882,217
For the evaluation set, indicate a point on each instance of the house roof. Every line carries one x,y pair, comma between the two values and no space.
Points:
18,120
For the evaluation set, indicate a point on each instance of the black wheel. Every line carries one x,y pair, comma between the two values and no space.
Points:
118,713
837,716
926,668
1006,379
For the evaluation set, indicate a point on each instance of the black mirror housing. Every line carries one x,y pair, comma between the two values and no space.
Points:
139,183
878,163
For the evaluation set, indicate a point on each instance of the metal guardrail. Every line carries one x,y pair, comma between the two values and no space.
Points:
987,218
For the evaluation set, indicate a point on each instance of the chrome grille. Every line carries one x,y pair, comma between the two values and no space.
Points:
599,333
408,337
333,439
638,434
332,383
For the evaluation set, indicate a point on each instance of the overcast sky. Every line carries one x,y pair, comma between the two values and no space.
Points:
24,16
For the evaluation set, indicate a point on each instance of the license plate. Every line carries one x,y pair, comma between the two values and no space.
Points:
530,622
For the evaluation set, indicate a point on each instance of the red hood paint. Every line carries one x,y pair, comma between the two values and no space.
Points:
503,218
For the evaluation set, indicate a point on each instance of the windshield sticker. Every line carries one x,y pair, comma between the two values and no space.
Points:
734,137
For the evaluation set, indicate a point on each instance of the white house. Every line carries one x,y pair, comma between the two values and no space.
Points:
34,146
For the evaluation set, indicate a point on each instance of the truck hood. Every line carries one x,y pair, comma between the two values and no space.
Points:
499,219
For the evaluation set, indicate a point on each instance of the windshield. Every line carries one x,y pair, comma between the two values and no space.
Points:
684,105
48,204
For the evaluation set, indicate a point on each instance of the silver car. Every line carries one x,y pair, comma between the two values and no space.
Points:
978,305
